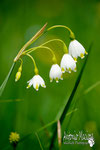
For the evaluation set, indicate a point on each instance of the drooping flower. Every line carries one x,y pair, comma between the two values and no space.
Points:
68,63
55,73
76,50
36,81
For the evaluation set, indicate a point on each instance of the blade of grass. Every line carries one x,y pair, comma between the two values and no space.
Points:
45,130
84,93
11,100
67,106
39,141
69,113
92,87
2,87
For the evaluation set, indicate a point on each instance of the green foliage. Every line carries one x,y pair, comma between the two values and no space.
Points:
2,87
26,111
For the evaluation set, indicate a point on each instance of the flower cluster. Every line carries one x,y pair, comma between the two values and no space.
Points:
67,64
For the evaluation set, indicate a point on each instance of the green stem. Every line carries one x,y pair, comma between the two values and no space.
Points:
47,125
21,61
14,148
65,47
39,140
36,69
44,47
72,36
20,68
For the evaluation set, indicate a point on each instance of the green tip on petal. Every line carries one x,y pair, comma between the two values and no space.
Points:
50,79
28,86
61,77
75,59
37,87
63,70
43,85
69,70
82,55
56,80
86,52
75,69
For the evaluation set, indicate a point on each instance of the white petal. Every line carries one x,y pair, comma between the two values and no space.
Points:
68,63
30,82
55,72
76,49
36,81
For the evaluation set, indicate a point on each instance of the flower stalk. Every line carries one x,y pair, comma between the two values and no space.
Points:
42,47
65,49
36,69
72,36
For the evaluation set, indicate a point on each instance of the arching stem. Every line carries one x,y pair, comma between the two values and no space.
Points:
36,69
72,36
65,47
44,47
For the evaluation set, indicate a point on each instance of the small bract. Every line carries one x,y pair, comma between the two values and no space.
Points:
36,81
68,63
55,73
76,50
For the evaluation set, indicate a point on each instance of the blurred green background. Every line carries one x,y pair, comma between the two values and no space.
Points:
19,21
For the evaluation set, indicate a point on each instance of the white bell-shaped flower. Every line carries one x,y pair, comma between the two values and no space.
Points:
36,81
76,50
68,63
55,73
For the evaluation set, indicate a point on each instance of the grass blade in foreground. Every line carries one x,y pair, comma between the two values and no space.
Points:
11,100
39,141
67,106
2,87
92,87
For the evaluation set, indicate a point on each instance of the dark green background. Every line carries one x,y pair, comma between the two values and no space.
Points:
19,21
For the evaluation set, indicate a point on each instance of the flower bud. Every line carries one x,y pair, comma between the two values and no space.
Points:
17,77
18,74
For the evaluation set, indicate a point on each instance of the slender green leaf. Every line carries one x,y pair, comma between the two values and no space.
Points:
92,87
67,106
69,113
2,87
39,141
11,100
